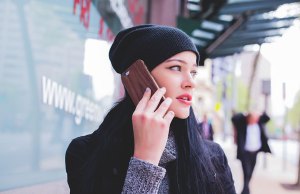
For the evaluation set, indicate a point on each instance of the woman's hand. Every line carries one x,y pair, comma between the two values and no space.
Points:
151,126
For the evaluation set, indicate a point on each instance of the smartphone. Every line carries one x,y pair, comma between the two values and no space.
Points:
136,79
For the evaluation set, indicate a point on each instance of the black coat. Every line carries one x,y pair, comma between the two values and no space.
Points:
240,124
82,148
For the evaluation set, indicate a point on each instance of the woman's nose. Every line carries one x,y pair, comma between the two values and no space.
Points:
188,81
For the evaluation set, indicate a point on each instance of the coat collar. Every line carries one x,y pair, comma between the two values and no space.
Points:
169,153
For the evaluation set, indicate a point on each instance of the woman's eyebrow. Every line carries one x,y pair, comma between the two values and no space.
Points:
179,60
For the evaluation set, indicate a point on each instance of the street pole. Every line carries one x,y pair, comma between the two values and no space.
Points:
298,179
266,91
266,108
283,129
295,186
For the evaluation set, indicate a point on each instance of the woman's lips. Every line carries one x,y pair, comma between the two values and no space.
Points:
185,98
185,101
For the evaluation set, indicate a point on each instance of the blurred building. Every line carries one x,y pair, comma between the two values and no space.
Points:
56,81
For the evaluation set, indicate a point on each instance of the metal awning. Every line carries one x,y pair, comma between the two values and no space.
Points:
220,28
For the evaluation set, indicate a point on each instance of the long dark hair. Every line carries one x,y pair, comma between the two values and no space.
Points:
105,170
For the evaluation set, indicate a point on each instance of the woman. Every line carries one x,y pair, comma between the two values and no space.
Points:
150,148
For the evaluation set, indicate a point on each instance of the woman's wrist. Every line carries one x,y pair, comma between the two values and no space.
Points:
151,158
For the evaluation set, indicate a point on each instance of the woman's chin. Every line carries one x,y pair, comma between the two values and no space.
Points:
181,112
182,115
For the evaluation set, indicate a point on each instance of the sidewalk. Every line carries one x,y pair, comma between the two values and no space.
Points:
265,180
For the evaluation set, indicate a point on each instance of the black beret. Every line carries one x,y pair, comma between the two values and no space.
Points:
152,43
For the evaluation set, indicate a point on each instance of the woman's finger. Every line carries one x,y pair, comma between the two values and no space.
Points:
163,107
143,102
169,117
155,99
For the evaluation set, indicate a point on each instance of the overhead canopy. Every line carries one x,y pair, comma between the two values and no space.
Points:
223,27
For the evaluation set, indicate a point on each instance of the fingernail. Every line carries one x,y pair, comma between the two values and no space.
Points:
168,100
147,89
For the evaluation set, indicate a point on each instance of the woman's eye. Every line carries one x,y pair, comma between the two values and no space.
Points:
175,68
194,73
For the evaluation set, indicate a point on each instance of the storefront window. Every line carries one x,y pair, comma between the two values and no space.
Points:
56,83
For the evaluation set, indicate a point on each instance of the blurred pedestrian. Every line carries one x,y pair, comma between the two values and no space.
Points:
251,139
206,128
151,147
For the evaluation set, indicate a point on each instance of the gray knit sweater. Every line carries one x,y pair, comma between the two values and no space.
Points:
144,177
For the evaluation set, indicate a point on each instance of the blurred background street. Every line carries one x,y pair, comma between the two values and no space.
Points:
56,80
271,170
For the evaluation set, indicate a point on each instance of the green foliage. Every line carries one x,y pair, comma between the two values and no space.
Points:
294,113
242,91
242,96
272,130
219,89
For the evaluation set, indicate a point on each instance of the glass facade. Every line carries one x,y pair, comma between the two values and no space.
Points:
56,81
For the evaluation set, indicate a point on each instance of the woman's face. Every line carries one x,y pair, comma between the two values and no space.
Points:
177,74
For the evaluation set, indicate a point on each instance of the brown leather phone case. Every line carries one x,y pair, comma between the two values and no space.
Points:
136,79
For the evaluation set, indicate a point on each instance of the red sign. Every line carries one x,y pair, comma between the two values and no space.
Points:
135,9
84,11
